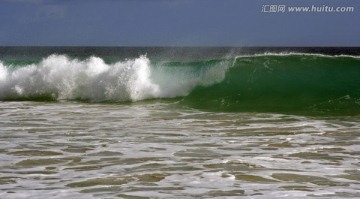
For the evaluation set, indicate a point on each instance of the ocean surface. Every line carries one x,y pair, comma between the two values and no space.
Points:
141,122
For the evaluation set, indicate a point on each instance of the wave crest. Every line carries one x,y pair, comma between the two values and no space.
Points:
59,77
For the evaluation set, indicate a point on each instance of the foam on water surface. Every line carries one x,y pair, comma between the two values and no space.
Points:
78,150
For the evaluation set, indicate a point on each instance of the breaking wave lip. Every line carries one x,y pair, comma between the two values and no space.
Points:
59,77
285,54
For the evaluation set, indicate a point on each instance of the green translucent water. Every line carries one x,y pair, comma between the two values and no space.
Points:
178,123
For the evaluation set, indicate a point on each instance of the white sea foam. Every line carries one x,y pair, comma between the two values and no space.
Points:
60,77
3,73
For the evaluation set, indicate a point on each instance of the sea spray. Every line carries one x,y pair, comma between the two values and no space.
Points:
181,78
59,77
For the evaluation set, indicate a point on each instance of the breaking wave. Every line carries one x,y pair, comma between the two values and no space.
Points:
58,77
265,83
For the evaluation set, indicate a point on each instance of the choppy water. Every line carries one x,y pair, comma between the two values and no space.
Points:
160,149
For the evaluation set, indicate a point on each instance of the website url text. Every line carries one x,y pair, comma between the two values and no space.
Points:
305,9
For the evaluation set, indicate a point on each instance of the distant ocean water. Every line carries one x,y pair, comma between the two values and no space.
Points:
87,122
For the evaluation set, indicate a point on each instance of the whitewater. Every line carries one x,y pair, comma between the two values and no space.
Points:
60,78
179,123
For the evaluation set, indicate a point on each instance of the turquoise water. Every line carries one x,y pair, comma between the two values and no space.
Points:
219,125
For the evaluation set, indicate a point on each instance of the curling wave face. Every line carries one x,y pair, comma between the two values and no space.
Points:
286,83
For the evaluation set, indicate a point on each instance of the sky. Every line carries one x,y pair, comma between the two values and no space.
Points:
177,23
